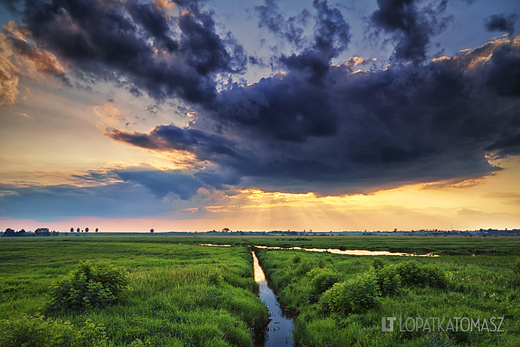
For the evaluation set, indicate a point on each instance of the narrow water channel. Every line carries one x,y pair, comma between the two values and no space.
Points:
279,330
335,251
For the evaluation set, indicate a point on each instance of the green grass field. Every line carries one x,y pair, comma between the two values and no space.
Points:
180,294
476,287
183,294
441,245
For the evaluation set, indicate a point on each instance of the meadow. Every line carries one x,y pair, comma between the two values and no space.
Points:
178,295
418,244
183,294
341,300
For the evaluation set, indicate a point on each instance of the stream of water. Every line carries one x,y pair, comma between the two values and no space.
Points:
279,330
336,251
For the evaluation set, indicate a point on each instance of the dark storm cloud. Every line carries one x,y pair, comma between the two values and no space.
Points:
331,31
411,27
499,22
503,75
314,126
160,183
134,44
166,137
289,28
359,132
506,146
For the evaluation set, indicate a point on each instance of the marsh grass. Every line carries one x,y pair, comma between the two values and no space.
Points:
413,244
182,294
447,286
178,295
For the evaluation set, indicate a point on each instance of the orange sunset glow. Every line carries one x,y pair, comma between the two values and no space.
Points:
202,122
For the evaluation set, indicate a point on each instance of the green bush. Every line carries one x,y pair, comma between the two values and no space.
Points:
414,274
33,331
439,339
322,281
304,267
355,296
378,264
91,285
515,276
388,280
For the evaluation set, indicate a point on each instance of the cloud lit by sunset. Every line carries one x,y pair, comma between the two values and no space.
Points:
128,115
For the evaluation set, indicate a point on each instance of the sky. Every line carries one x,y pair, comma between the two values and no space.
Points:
259,115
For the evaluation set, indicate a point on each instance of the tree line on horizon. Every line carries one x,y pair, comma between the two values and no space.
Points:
9,232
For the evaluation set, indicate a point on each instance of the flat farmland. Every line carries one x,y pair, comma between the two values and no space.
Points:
178,295
182,294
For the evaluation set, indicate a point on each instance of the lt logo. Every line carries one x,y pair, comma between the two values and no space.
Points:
391,319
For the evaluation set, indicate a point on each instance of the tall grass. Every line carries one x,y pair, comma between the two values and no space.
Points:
350,312
179,295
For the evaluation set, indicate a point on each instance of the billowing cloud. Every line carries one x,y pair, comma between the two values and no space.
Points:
18,57
358,132
288,28
43,60
9,72
136,45
501,22
204,146
410,27
161,183
312,127
331,31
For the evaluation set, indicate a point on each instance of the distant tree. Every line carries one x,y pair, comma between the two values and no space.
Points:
42,231
225,230
71,230
97,230
9,232
77,230
151,230
86,230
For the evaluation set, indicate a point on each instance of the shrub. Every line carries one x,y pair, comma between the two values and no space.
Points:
323,280
388,280
91,285
304,267
414,274
378,264
355,296
515,275
439,339
37,331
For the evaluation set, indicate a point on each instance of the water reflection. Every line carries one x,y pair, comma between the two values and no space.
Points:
279,330
350,251
335,251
